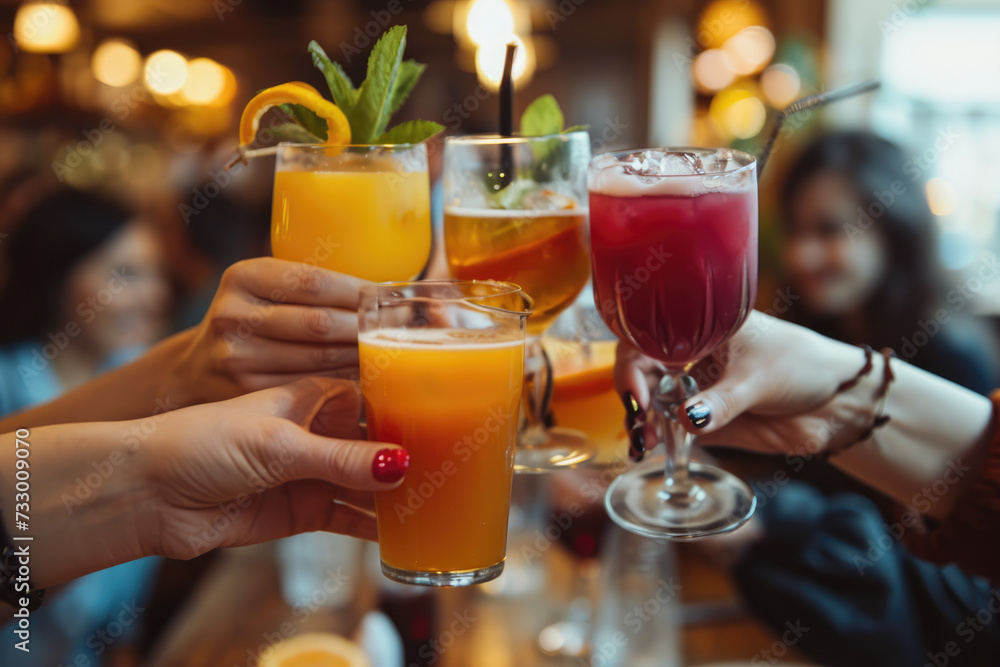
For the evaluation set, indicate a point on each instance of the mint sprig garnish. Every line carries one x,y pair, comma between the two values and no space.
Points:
543,116
388,83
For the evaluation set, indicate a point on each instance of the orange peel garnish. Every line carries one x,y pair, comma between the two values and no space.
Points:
294,92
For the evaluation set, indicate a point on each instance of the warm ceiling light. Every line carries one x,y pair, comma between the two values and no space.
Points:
750,50
490,21
737,113
713,70
46,27
490,61
165,72
116,63
205,83
780,84
721,19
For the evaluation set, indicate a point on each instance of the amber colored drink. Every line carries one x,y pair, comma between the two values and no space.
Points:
451,398
584,397
545,252
374,225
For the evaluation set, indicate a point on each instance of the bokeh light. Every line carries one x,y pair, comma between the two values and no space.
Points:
750,50
116,63
489,21
713,70
205,82
722,19
46,27
490,61
165,72
738,113
941,196
781,85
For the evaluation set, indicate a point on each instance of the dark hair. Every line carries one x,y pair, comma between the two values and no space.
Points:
42,252
893,204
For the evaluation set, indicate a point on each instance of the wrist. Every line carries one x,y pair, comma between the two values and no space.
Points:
183,385
859,373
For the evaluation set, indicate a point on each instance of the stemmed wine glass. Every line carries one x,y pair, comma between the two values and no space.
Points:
674,243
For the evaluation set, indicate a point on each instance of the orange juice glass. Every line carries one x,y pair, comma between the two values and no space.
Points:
442,366
360,210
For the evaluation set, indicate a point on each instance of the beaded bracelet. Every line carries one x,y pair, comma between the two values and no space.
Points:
881,396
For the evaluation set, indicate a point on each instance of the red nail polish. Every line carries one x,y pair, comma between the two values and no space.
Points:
390,465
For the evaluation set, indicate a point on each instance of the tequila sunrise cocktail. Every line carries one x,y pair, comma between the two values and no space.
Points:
360,210
442,376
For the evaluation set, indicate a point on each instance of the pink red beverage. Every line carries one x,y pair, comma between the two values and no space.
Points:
674,256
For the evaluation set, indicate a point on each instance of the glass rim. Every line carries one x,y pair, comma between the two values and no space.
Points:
498,140
314,147
751,159
505,288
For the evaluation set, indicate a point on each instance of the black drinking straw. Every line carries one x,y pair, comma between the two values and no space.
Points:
806,103
507,116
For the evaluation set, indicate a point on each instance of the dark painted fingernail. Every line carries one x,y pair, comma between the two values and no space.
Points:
635,419
637,445
699,414
390,465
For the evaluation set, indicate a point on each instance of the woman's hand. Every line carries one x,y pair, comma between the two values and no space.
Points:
271,322
766,389
773,388
255,468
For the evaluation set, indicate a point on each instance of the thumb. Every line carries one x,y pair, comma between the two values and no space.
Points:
282,451
355,464
711,409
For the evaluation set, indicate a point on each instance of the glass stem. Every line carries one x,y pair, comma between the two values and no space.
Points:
678,488
537,392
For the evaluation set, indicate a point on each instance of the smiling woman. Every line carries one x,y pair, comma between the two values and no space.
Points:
859,250
85,279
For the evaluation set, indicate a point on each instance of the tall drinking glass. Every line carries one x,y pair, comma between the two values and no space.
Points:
442,366
674,235
516,210
360,210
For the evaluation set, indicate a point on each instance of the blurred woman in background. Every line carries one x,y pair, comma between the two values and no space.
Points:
83,291
859,251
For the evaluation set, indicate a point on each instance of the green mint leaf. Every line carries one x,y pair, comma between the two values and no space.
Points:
409,74
575,128
370,115
345,95
295,133
309,121
543,116
410,132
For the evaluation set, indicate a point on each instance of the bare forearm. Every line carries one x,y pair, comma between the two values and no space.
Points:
929,450
149,385
78,499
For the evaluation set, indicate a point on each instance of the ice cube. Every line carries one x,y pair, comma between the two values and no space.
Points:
547,200
654,163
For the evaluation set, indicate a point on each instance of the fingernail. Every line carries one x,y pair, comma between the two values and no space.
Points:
633,412
635,419
637,440
699,414
390,465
